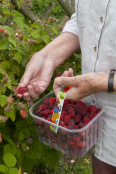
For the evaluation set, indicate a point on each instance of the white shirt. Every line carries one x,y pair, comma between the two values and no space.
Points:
95,24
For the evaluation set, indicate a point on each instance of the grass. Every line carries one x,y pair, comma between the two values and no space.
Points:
70,165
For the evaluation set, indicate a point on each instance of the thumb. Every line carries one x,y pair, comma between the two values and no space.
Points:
65,81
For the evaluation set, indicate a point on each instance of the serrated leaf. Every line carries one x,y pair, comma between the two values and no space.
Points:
21,50
51,156
11,40
54,30
2,71
36,25
3,168
45,38
20,136
13,170
11,114
3,100
7,11
9,159
35,151
18,57
16,69
28,164
8,148
19,22
17,14
35,33
18,154
4,44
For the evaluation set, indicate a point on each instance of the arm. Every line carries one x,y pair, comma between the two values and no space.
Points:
83,85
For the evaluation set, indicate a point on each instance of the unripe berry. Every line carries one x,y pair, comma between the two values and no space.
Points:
21,106
31,41
23,113
2,30
3,118
50,20
10,100
16,35
11,55
6,34
20,37
20,31
7,108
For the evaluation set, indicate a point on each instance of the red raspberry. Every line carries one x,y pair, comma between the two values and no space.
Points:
68,106
22,90
71,123
75,127
86,120
70,142
46,101
81,125
64,132
43,107
64,90
2,30
52,111
46,112
61,123
71,112
98,110
49,119
52,101
40,122
77,118
49,116
81,144
62,117
66,119
50,107
66,102
80,103
78,108
89,107
39,113
64,113
83,111
91,116
58,74
93,110
76,138
23,113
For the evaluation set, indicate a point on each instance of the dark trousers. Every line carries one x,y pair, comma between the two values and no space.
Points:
100,167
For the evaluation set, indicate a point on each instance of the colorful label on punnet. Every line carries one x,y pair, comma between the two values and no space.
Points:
58,108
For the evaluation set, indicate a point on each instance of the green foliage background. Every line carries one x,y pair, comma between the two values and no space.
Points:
16,153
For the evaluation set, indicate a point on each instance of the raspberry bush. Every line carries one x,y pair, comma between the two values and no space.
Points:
20,149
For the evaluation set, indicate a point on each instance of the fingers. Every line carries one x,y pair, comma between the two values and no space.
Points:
71,72
66,81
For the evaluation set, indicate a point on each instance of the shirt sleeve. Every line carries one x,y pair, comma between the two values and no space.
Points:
71,26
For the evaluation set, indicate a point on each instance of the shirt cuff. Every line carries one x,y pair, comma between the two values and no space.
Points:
71,26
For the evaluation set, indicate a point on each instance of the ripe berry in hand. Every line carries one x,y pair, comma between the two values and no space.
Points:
22,90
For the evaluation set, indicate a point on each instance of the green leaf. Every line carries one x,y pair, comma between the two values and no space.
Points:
20,136
10,39
7,11
21,50
19,22
8,148
45,38
19,161
18,154
28,164
35,33
4,44
54,30
35,150
13,171
9,159
17,14
36,25
51,156
18,57
16,69
3,168
3,100
19,171
11,114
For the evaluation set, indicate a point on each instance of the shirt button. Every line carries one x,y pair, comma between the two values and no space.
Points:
95,49
101,19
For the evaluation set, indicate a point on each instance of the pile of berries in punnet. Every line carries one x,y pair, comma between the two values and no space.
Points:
75,115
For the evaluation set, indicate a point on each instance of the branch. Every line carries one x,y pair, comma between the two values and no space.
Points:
47,11
25,11
66,6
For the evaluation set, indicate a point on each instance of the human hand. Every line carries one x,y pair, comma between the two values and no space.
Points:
37,76
83,85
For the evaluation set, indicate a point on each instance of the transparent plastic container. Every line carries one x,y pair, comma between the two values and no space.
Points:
65,140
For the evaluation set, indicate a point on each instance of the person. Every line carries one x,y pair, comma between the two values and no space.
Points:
92,28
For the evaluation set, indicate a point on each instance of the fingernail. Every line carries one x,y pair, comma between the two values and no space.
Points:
57,80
